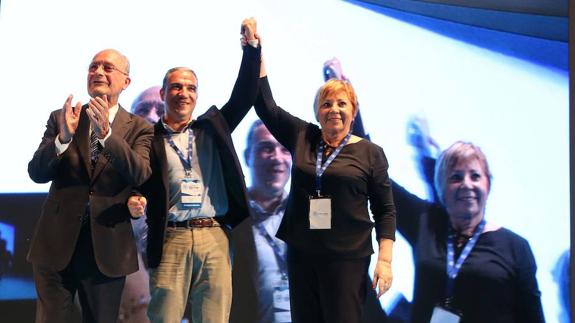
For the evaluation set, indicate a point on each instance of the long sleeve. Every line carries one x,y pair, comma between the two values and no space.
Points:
283,126
409,208
42,168
245,89
527,292
381,197
131,161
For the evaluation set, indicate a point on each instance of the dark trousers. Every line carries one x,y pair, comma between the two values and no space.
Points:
326,290
99,295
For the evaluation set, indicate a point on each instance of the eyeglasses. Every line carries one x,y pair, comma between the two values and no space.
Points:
108,68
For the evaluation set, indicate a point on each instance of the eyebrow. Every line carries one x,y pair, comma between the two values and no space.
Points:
182,84
266,142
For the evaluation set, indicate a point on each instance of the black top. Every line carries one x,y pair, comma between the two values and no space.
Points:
356,176
496,283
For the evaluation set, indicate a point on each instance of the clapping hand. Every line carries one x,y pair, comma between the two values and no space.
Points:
98,112
68,121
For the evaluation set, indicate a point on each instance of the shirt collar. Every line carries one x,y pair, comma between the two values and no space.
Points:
112,112
172,131
260,214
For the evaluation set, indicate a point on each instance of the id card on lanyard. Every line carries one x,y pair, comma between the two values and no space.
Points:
191,190
320,205
444,312
281,301
443,315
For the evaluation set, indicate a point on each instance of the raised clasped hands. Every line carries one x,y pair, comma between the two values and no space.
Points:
68,120
249,30
137,205
334,66
98,112
419,137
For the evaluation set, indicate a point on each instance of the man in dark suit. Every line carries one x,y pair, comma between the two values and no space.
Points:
93,154
196,194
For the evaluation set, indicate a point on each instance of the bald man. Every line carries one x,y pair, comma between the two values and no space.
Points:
93,154
149,104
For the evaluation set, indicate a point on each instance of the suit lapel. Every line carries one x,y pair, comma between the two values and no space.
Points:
120,126
122,123
160,151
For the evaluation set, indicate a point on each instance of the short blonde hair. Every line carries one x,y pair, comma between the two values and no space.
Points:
459,151
335,86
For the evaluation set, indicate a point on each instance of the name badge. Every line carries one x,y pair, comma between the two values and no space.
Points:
319,213
191,190
442,315
281,302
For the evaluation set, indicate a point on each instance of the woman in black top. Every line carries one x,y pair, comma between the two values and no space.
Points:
496,281
329,246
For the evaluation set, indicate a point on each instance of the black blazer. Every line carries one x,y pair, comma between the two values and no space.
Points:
122,164
245,297
215,123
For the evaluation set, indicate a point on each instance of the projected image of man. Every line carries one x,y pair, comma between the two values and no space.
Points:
149,104
261,291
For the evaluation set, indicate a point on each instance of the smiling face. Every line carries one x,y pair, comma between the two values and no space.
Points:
269,163
335,107
466,189
179,93
108,75
335,113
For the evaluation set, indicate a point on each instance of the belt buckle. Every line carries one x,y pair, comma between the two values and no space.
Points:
205,223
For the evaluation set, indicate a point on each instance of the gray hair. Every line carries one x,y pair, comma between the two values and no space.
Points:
172,70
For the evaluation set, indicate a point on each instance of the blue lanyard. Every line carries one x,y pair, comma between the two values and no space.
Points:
452,266
276,249
319,169
187,163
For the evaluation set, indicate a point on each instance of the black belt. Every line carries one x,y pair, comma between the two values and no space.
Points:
195,223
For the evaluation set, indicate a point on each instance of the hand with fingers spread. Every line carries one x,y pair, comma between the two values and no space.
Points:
137,205
68,122
98,112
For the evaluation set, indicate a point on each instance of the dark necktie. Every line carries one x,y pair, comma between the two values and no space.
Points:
95,148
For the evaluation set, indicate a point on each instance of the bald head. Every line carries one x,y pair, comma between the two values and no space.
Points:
149,104
122,60
108,75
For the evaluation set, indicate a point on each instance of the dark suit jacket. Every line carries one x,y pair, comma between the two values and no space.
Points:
216,123
122,164
244,275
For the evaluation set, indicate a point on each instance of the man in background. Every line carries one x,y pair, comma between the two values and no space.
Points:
149,104
136,295
261,289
